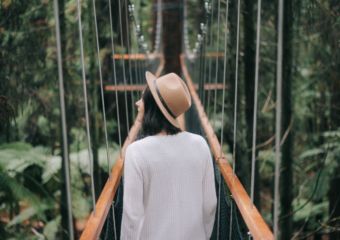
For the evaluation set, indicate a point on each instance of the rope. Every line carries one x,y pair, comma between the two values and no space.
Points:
278,120
101,89
89,145
257,63
235,104
217,50
123,63
63,123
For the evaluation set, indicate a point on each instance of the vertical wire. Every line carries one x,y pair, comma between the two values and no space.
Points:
257,62
123,63
216,64
128,54
210,58
137,80
63,122
278,120
236,82
117,104
89,145
115,76
224,72
235,106
101,88
223,98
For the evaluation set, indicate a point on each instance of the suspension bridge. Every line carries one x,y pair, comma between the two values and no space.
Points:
206,76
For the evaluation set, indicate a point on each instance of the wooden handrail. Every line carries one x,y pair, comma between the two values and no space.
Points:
95,223
251,216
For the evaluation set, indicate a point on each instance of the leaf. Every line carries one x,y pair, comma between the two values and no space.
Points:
24,215
51,228
312,153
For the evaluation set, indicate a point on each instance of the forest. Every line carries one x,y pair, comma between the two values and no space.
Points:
33,184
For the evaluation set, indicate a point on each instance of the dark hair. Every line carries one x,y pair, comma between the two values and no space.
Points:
154,121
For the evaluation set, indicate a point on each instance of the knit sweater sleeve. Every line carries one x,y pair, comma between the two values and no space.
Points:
209,194
133,208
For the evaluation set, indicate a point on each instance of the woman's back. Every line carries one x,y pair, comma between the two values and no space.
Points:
169,190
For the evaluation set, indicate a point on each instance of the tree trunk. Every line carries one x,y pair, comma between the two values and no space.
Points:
172,35
286,186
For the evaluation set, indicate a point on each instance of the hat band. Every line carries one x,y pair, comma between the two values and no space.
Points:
162,100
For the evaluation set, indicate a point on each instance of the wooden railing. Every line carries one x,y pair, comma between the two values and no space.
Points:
251,216
95,223
254,221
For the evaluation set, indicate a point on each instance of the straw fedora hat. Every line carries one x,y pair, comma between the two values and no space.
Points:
171,95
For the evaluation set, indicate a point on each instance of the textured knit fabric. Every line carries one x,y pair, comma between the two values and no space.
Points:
169,189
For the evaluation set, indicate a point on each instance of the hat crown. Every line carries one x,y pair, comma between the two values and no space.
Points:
174,93
171,95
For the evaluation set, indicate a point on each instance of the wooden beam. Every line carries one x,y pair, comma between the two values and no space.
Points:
251,216
140,87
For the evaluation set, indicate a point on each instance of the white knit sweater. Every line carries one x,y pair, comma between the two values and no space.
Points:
169,189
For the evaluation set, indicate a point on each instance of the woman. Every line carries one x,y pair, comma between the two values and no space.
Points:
169,189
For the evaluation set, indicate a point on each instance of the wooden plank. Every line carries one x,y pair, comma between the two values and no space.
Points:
136,56
95,223
140,87
251,216
214,54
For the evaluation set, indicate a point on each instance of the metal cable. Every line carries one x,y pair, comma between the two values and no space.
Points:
216,64
89,145
210,58
117,103
235,103
128,50
224,72
115,76
123,63
236,82
223,101
257,63
101,89
63,123
278,119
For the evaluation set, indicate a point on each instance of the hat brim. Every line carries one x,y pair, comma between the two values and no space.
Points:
150,81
